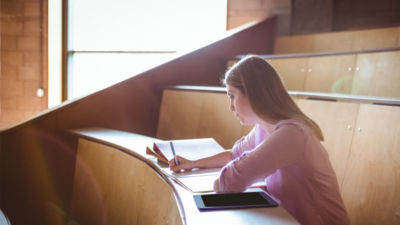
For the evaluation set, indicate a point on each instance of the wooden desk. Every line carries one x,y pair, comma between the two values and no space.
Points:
135,145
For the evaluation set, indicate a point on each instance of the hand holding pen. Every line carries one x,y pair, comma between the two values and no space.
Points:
179,163
173,153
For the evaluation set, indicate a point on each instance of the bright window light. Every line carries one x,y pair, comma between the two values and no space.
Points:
113,32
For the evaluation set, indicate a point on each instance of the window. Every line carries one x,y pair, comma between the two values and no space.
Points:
110,41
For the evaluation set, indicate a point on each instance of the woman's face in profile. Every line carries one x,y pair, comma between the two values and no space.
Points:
240,106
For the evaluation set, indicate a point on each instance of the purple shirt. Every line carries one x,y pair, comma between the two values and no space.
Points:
296,168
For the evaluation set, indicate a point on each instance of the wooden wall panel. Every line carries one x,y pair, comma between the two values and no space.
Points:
295,99
377,74
242,12
372,181
337,121
199,115
292,72
91,182
173,216
217,121
398,38
112,187
231,63
179,115
376,38
37,166
54,215
330,74
294,44
155,199
335,41
338,41
124,194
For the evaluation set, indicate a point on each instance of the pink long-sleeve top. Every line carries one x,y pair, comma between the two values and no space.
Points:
296,168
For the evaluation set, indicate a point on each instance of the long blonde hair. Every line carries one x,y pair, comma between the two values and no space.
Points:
270,101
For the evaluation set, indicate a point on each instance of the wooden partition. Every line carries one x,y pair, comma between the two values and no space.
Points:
338,41
112,187
330,74
337,121
370,74
375,38
371,186
377,74
191,114
294,44
331,42
292,71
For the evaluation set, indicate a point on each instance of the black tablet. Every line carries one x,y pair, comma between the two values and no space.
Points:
234,201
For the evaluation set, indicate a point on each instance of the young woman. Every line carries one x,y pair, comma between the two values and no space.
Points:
284,149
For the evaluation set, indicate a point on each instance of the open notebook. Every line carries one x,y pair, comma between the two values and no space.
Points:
197,180
191,149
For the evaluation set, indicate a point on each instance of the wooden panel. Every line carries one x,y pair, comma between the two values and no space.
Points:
54,215
112,187
123,197
334,41
332,74
376,38
398,37
372,181
155,199
292,72
179,115
91,181
173,215
294,44
186,115
217,121
334,119
377,74
231,63
295,99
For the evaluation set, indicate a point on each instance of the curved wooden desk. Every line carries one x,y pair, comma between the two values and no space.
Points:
115,182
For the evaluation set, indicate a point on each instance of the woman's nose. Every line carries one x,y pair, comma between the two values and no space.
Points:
231,108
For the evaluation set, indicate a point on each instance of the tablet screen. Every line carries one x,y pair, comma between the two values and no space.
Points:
234,200
253,198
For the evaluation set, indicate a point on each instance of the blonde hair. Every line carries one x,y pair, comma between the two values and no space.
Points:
270,101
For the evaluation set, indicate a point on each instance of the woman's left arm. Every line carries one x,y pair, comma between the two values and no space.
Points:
285,146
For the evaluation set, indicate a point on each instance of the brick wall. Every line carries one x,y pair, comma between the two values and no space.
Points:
23,59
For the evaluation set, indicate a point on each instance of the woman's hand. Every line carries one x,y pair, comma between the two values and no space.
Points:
184,164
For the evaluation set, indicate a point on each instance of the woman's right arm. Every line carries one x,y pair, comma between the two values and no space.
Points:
218,160
215,161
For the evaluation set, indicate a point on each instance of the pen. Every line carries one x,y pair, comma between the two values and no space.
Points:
173,152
